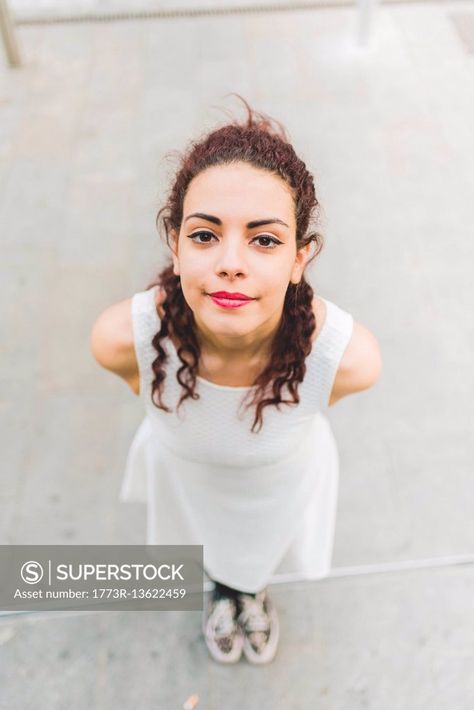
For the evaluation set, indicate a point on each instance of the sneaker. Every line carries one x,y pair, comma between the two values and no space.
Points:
258,620
222,634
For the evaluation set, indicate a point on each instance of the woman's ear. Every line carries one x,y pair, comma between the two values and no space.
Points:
302,256
174,250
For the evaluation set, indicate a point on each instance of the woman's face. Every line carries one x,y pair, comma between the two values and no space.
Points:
219,250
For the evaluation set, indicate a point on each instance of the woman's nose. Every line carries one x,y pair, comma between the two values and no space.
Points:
231,259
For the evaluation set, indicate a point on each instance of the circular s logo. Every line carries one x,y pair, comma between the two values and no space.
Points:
31,572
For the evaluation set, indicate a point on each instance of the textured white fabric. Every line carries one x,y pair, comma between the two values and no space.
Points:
261,504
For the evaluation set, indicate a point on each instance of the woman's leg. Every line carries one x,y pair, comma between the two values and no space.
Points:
222,590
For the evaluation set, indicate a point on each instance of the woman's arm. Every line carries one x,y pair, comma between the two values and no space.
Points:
111,343
361,364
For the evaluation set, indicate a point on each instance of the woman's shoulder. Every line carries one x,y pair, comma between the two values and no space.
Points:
320,313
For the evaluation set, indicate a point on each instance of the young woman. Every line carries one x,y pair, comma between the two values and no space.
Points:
235,360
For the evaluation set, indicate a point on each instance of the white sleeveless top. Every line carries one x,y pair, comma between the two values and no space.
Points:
263,505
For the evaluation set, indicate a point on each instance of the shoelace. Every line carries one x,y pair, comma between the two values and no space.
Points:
253,614
223,616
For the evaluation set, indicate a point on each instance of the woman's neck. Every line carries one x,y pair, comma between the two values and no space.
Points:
251,348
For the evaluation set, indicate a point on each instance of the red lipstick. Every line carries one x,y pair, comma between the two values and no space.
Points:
228,299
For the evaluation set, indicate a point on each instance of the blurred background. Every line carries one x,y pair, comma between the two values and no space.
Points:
378,100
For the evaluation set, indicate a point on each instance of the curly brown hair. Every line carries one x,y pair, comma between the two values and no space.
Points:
256,143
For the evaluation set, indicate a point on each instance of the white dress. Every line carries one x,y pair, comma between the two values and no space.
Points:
262,504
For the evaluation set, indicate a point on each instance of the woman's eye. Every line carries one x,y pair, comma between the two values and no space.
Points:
198,234
274,242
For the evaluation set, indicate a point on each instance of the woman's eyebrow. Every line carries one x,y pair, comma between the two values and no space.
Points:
250,225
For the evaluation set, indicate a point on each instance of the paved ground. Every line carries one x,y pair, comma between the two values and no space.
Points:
387,131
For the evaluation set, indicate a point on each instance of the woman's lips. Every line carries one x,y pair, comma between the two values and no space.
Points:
230,302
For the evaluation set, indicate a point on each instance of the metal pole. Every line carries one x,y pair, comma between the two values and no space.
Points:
364,20
8,35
